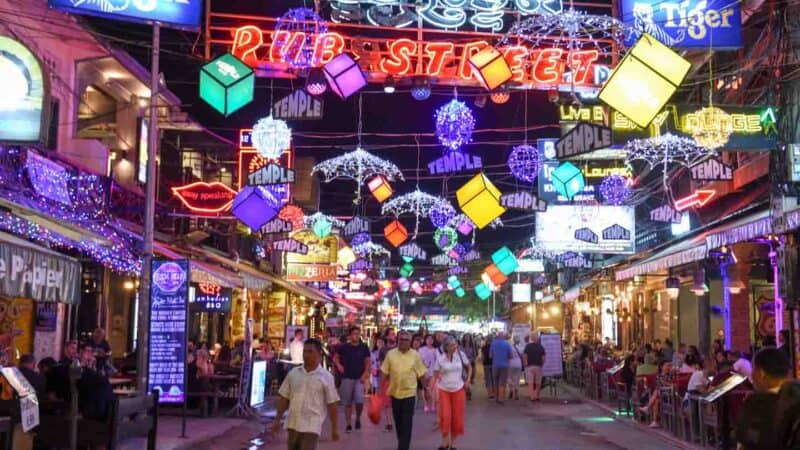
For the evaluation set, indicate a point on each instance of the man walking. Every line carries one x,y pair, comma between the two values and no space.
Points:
296,347
353,363
309,393
501,353
404,368
533,358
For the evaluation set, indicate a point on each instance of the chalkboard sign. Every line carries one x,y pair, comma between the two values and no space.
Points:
552,361
169,296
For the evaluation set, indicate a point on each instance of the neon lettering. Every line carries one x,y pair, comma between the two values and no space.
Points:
246,40
437,52
545,69
514,55
582,63
327,47
399,60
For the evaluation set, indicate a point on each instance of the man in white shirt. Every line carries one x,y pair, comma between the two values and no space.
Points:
296,347
742,366
309,393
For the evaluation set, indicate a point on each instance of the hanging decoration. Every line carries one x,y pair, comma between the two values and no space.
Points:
479,199
344,76
500,96
322,227
568,180
491,67
271,137
483,291
445,238
615,189
309,221
345,256
315,83
416,202
525,162
454,124
463,224
441,214
380,188
395,233
505,260
357,165
227,84
420,88
254,206
371,249
293,214
666,150
306,24
359,239
711,127
406,270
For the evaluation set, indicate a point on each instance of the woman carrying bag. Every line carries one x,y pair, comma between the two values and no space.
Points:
451,370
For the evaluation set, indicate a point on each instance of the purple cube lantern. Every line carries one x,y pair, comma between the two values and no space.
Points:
344,75
438,288
465,226
255,206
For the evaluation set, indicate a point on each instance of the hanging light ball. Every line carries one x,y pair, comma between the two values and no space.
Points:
420,88
271,137
525,161
445,238
316,84
615,189
454,124
360,239
441,214
710,127
303,22
500,96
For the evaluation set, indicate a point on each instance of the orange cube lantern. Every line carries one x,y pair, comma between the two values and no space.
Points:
492,68
395,233
495,275
380,188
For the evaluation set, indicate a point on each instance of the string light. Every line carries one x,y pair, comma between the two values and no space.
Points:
524,161
309,221
445,238
360,239
271,137
357,165
666,149
417,203
454,124
710,127
303,22
371,249
615,189
441,213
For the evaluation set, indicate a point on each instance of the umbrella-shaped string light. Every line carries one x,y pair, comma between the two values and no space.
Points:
416,202
357,165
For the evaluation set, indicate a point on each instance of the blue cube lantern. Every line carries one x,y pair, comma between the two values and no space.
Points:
482,291
322,227
568,180
460,292
254,206
505,261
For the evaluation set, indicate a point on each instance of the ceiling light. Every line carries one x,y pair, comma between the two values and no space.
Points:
389,86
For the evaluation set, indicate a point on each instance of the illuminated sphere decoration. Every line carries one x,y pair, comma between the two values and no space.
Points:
525,162
360,239
441,214
710,127
445,238
300,22
271,137
615,189
316,84
420,88
454,125
500,96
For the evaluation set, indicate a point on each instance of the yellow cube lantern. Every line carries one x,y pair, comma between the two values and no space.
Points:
380,188
480,200
395,233
492,69
345,256
645,80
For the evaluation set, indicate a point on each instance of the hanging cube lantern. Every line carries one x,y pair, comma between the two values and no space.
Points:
453,282
345,256
395,233
568,180
271,137
465,226
483,291
344,75
416,287
495,274
460,292
322,227
227,84
403,284
380,188
480,200
406,270
492,69
645,80
254,206
505,260
445,238
438,288
487,280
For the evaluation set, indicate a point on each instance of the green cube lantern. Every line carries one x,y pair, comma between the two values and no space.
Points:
322,227
568,180
505,261
406,270
227,84
482,291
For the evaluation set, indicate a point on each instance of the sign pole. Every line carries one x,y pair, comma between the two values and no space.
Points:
143,346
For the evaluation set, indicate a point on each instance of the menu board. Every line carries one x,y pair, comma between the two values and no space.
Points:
258,383
726,386
208,297
552,360
169,295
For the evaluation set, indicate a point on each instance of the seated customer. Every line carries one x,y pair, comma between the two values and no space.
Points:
649,367
27,366
663,379
95,394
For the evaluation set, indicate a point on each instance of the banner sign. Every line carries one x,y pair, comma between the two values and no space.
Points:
552,346
299,105
455,162
277,226
587,235
177,13
472,255
310,272
356,225
712,170
250,162
523,200
360,265
271,174
290,245
29,273
583,138
23,93
169,296
457,270
556,229
209,297
665,214
413,250
443,260
706,24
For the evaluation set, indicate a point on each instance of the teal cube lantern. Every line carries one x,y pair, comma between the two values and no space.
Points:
482,291
505,261
406,270
227,84
322,228
453,282
568,180
460,292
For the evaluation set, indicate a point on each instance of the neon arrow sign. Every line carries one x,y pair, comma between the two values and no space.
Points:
698,199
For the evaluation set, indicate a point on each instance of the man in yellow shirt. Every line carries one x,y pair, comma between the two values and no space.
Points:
403,367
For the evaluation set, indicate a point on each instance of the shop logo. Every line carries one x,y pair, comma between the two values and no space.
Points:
169,277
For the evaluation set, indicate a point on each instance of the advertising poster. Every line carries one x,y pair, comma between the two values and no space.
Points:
23,93
563,228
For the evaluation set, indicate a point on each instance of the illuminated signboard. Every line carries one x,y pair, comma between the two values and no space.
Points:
593,173
177,13
169,295
583,138
143,145
209,297
556,229
523,200
706,24
310,272
521,293
712,170
455,162
250,162
290,245
21,93
207,198
299,105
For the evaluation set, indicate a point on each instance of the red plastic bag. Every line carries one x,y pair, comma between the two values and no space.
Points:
374,408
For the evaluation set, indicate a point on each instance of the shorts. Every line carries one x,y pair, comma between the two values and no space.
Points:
533,375
351,391
302,441
500,375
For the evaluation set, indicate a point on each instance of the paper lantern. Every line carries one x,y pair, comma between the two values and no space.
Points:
254,206
491,67
380,188
344,75
395,233
483,291
322,227
505,260
453,282
227,84
345,256
495,274
480,200
406,270
460,292
645,80
567,180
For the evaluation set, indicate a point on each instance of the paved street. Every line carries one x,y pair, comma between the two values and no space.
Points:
555,423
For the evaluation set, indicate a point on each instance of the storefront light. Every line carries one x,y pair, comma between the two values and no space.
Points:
129,285
699,287
736,287
673,287
554,310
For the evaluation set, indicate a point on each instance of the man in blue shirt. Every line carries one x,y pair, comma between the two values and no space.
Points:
501,360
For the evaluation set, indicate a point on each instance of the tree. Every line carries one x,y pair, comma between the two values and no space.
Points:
469,306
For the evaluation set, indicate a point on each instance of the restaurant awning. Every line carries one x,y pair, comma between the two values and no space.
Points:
681,253
745,229
571,294
201,272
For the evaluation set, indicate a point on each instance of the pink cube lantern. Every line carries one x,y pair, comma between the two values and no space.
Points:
465,227
344,75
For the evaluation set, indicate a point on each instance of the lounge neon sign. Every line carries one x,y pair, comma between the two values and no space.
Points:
545,66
